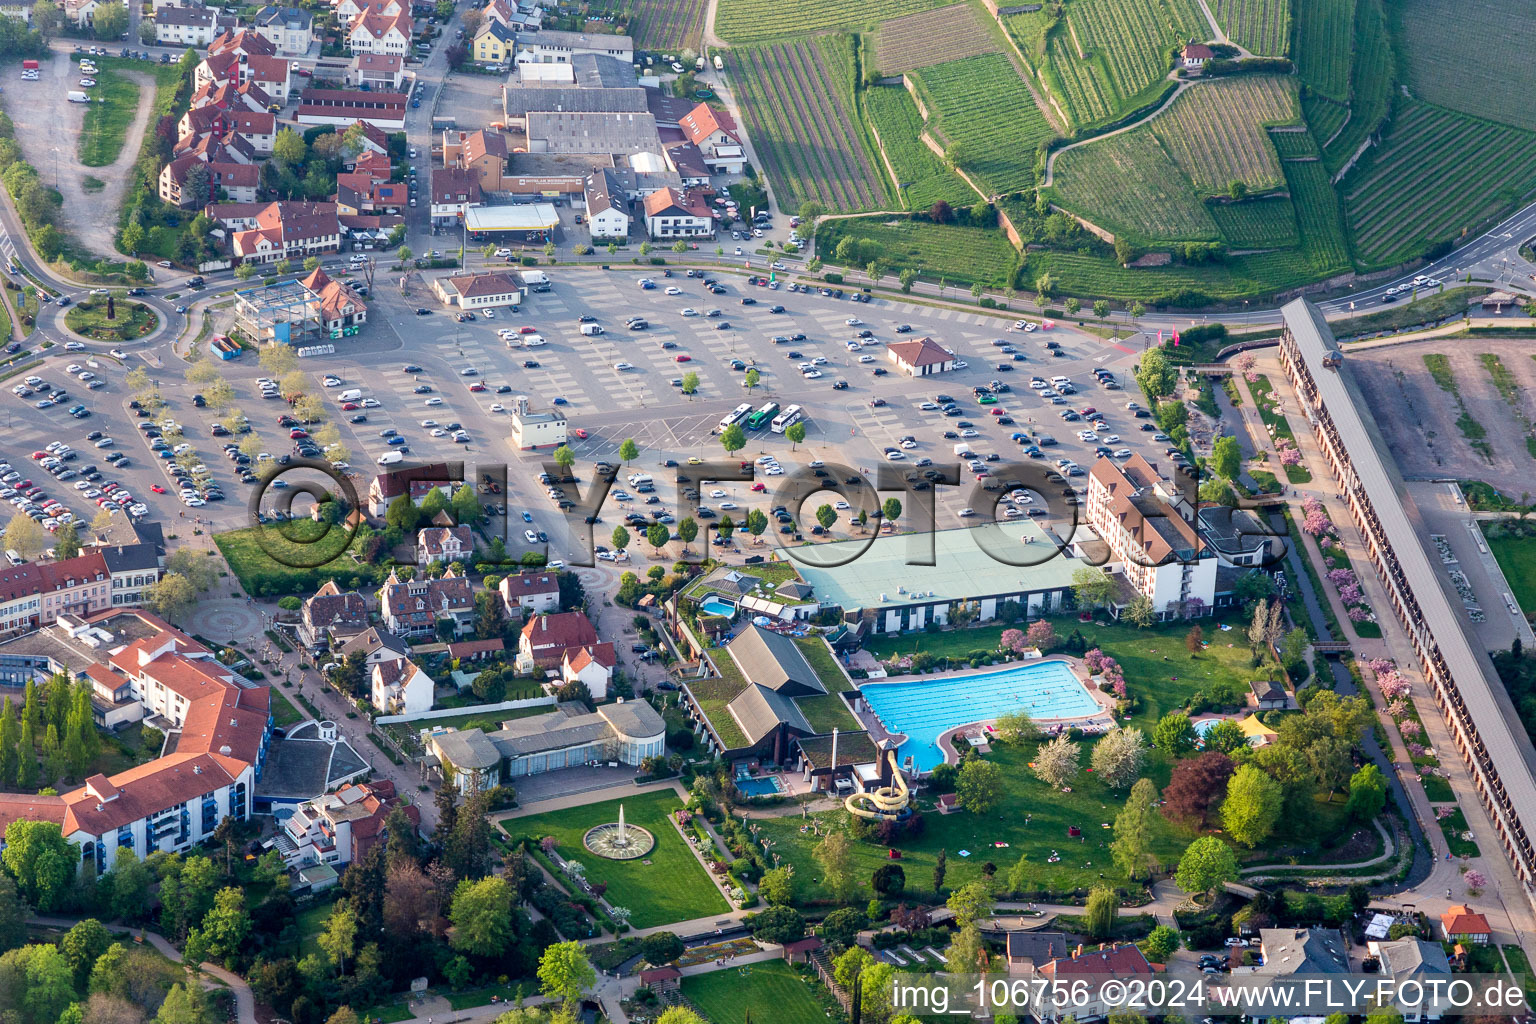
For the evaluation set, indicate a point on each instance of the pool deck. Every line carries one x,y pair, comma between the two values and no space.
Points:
1101,720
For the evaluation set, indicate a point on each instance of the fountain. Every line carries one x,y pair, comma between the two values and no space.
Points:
618,840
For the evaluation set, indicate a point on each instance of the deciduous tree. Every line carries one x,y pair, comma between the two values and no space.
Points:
1207,862
1132,845
1252,805
1197,785
1056,762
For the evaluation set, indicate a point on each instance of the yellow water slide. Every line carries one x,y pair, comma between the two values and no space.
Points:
885,802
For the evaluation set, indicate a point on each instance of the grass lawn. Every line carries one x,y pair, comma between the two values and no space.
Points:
311,924
488,721
107,120
89,319
262,576
1517,558
1453,827
284,712
1521,967
1160,671
473,997
1278,425
1437,790
767,991
667,885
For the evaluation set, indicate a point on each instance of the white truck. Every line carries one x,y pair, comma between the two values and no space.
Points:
532,340
79,97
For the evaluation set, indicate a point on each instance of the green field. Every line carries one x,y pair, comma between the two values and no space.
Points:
1294,145
1257,223
1317,207
132,320
1321,45
898,124
1238,277
959,255
987,119
1517,558
666,886
1453,172
1262,27
799,123
931,37
105,129
752,21
262,576
1473,57
1130,185
1372,74
1109,56
1326,117
770,991
1215,131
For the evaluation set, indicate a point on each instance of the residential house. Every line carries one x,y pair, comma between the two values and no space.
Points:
290,30
482,153
191,26
386,487
921,357
1412,961
133,567
348,10
290,231
1028,951
1148,525
545,639
81,12
381,72
34,594
592,665
494,42
670,214
1463,924
1268,695
376,645
712,131
478,291
340,307
362,193
443,544
1194,56
549,47
414,607
228,95
225,178
501,11
332,616
342,107
607,211
400,687
256,128
243,41
373,32
454,191
1288,951
1107,963
341,827
530,592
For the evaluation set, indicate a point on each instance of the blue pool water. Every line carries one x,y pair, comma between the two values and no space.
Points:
766,786
715,606
925,708
1205,725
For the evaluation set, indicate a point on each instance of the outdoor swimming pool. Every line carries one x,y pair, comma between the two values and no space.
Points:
715,606
766,786
924,708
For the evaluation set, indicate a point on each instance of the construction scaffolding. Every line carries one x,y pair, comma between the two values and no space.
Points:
284,311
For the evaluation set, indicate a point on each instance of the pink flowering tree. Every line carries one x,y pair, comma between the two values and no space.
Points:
1093,661
1476,881
1410,729
1358,613
1393,686
1245,364
1380,665
1041,634
1315,518
1012,641
1194,608
1397,708
1290,457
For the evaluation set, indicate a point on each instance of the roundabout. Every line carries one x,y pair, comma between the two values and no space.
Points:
128,321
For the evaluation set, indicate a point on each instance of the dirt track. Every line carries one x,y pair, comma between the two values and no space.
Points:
1419,418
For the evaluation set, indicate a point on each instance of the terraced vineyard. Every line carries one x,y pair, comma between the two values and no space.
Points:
1473,57
1082,85
799,122
1239,277
982,106
1268,223
1294,145
1134,38
1372,74
668,25
1215,131
1317,212
898,124
1451,171
751,21
931,37
1325,116
1130,185
1321,46
1260,26
960,255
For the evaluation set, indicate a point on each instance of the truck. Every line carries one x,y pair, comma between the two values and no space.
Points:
79,97
719,64
535,280
30,65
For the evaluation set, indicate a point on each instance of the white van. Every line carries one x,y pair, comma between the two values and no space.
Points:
532,340
14,557
350,395
390,458
637,479
964,451
591,330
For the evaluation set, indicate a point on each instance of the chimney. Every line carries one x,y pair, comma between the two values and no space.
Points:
834,752
1078,951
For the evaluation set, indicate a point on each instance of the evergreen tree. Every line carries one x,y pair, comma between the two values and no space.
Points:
10,742
26,770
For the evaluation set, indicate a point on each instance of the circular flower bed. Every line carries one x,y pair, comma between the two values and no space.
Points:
132,320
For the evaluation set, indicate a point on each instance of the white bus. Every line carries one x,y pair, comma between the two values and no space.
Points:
736,415
783,421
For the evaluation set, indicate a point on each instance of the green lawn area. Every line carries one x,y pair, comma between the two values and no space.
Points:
771,991
1521,967
311,924
774,572
827,712
89,319
488,721
107,120
473,997
667,885
262,576
1453,827
1517,558
284,712
1160,671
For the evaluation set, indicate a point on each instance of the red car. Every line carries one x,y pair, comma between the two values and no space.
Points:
295,434
683,359
39,455
527,330
477,386
157,488
998,410
349,407
579,432
759,488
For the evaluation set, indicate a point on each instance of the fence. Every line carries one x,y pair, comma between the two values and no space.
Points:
506,705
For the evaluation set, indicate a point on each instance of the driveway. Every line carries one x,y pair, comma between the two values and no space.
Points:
48,131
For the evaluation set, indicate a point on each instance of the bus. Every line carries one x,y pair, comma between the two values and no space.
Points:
782,422
763,416
736,415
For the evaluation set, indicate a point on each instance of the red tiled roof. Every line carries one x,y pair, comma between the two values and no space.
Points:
1117,960
559,630
921,352
26,807
1463,920
700,123
144,790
